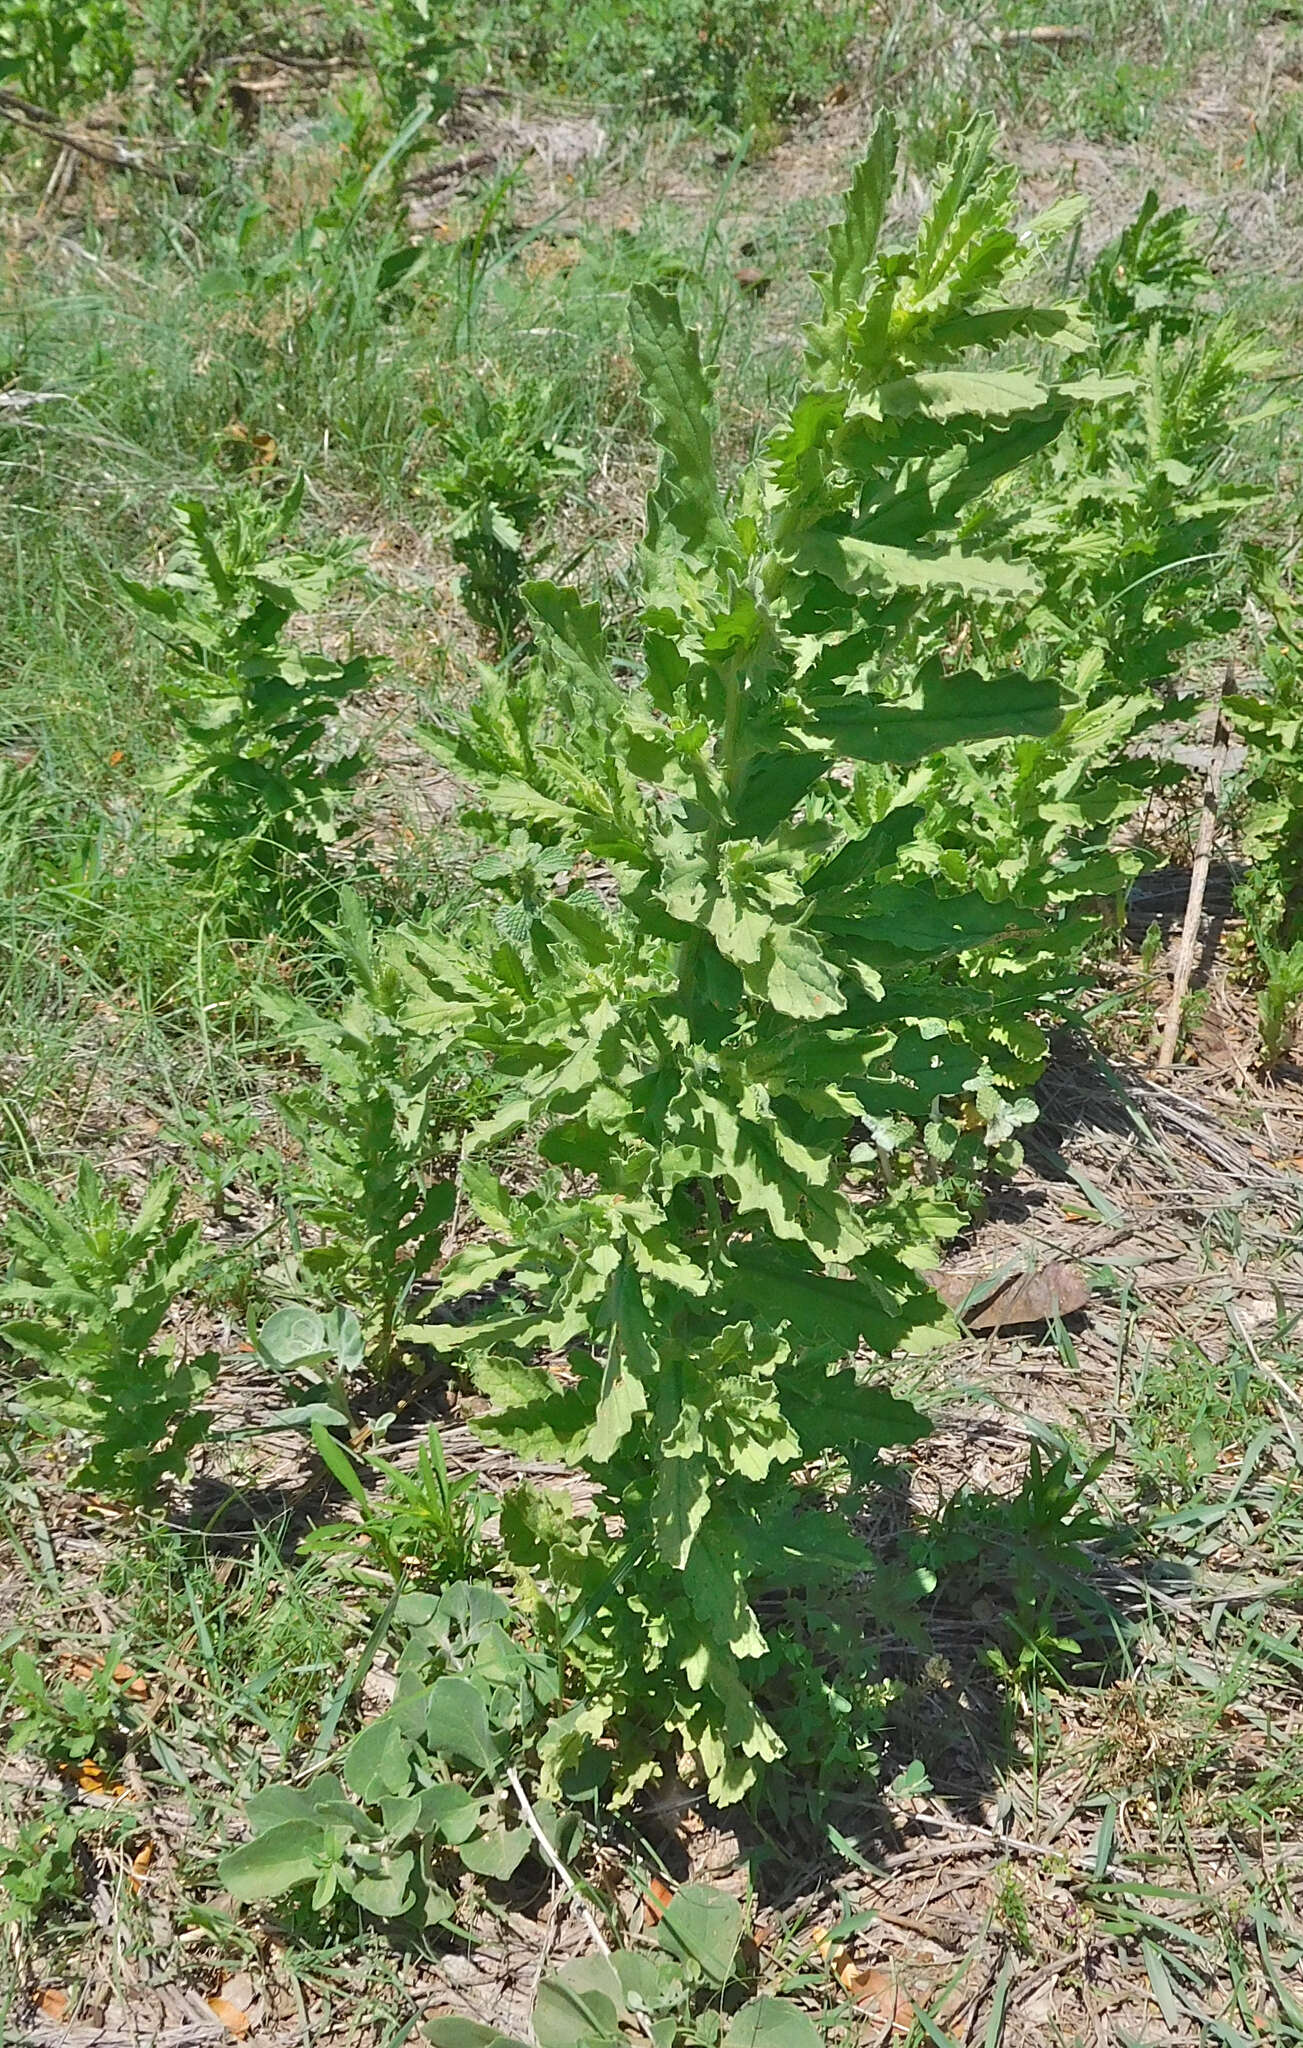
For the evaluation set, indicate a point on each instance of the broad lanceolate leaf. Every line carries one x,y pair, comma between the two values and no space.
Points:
853,241
702,1927
687,498
272,1863
965,709
770,2023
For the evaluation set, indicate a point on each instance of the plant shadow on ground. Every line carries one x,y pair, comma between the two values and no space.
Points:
1158,898
1034,1593
983,1605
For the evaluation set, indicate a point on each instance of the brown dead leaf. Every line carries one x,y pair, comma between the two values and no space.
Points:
251,448
1055,1289
879,1994
232,2018
92,1777
52,2003
140,1863
82,1669
659,1895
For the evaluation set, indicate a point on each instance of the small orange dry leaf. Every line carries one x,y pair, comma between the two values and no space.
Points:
880,1996
658,1898
877,1992
232,2018
116,757
92,1777
52,2003
137,1687
140,1863
81,1670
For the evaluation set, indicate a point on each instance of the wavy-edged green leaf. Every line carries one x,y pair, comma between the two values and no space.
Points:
687,496
794,975
952,394
840,1412
913,918
853,241
574,629
862,567
679,1505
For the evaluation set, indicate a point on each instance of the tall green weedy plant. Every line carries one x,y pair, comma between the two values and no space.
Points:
64,52
499,469
726,977
1129,519
1269,802
262,797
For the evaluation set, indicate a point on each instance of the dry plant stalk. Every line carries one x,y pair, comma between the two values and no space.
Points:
1198,878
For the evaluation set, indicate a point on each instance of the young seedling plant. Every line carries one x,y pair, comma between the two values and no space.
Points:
86,1295
260,805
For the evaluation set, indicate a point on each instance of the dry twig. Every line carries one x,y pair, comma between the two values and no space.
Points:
1046,35
38,121
1198,880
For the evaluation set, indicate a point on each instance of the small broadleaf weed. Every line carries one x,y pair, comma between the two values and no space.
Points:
85,1298
422,1794
262,799
367,1127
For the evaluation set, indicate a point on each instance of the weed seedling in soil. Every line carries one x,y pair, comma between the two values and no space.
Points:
85,1298
261,803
